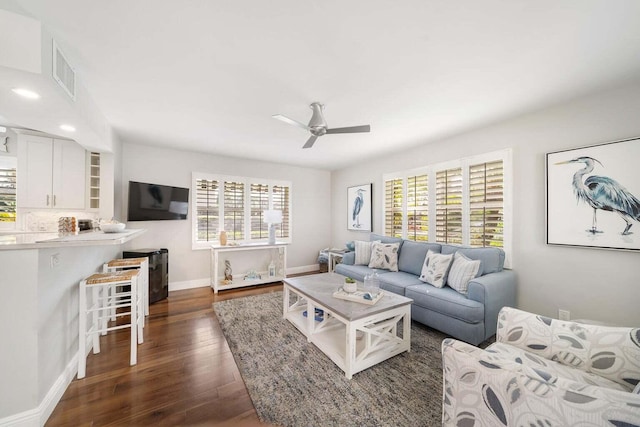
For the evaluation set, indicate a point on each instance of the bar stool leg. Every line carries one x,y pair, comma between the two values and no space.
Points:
82,335
95,326
134,321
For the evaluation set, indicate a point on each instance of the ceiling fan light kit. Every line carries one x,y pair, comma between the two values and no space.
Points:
318,126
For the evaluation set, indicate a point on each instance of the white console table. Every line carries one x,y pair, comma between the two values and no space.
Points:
254,257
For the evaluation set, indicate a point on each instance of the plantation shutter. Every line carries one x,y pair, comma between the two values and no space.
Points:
207,210
486,199
281,201
259,203
418,208
449,206
234,210
393,207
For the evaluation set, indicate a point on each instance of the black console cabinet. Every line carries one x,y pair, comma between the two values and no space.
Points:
158,271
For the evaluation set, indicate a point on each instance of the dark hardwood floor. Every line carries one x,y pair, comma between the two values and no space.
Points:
185,374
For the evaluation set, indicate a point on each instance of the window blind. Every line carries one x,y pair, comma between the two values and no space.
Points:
486,197
393,207
418,208
281,202
449,206
8,185
207,210
234,210
259,203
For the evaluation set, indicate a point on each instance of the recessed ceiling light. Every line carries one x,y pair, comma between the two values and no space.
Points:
68,128
26,93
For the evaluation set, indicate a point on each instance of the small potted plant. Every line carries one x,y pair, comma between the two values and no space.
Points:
350,285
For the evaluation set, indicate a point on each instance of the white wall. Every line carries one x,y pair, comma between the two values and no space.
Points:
189,268
591,283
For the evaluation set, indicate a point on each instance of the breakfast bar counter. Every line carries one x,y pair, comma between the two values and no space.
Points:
55,240
39,279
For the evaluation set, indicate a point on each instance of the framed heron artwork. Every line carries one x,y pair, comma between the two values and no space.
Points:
593,196
359,211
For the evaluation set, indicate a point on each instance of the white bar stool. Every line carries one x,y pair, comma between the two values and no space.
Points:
129,263
107,294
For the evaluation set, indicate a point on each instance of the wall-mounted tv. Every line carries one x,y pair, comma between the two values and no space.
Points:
153,202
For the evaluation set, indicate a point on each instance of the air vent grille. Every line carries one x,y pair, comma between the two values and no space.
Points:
63,73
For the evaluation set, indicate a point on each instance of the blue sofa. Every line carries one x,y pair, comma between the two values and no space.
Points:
471,317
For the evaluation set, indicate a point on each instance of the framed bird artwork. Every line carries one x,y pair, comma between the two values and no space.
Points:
593,196
359,208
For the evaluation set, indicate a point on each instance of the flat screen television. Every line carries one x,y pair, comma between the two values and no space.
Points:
153,202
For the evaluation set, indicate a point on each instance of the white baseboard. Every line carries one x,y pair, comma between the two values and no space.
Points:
203,283
189,284
38,417
30,418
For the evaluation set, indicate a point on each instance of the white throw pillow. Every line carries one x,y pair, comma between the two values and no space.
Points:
384,255
462,271
363,252
434,269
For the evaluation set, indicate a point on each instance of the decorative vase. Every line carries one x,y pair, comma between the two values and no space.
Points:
228,274
223,238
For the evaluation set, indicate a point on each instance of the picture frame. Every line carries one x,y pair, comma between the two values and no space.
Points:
593,196
359,207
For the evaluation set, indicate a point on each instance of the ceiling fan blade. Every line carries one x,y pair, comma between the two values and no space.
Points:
352,129
310,142
290,121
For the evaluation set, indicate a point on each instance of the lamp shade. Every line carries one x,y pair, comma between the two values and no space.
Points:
272,216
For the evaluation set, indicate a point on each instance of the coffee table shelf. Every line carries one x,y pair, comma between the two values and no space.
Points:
354,336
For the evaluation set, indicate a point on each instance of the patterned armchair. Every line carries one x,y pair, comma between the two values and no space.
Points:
543,372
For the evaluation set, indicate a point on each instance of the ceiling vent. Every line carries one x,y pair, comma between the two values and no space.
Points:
63,73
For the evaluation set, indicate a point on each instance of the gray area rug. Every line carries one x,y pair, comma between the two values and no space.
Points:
292,383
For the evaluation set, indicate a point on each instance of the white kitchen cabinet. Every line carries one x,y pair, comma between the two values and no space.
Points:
51,173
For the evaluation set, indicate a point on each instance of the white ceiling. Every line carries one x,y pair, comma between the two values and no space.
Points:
207,75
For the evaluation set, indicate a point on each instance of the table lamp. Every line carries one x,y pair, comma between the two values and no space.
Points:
272,217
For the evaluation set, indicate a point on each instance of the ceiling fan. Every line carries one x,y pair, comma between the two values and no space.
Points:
318,126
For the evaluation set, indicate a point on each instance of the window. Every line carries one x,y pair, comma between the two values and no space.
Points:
393,191
7,192
467,202
281,202
233,209
236,205
207,210
418,208
449,206
486,199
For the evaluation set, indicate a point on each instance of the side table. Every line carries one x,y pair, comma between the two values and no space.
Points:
335,256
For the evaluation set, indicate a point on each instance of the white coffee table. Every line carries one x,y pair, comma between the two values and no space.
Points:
336,335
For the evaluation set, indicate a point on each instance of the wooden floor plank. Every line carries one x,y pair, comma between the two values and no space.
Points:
186,374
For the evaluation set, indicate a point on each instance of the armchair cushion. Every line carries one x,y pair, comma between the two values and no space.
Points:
543,371
609,352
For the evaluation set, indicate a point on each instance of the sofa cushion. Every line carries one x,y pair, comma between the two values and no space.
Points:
413,254
553,368
446,301
462,271
435,268
397,282
384,255
356,271
491,259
